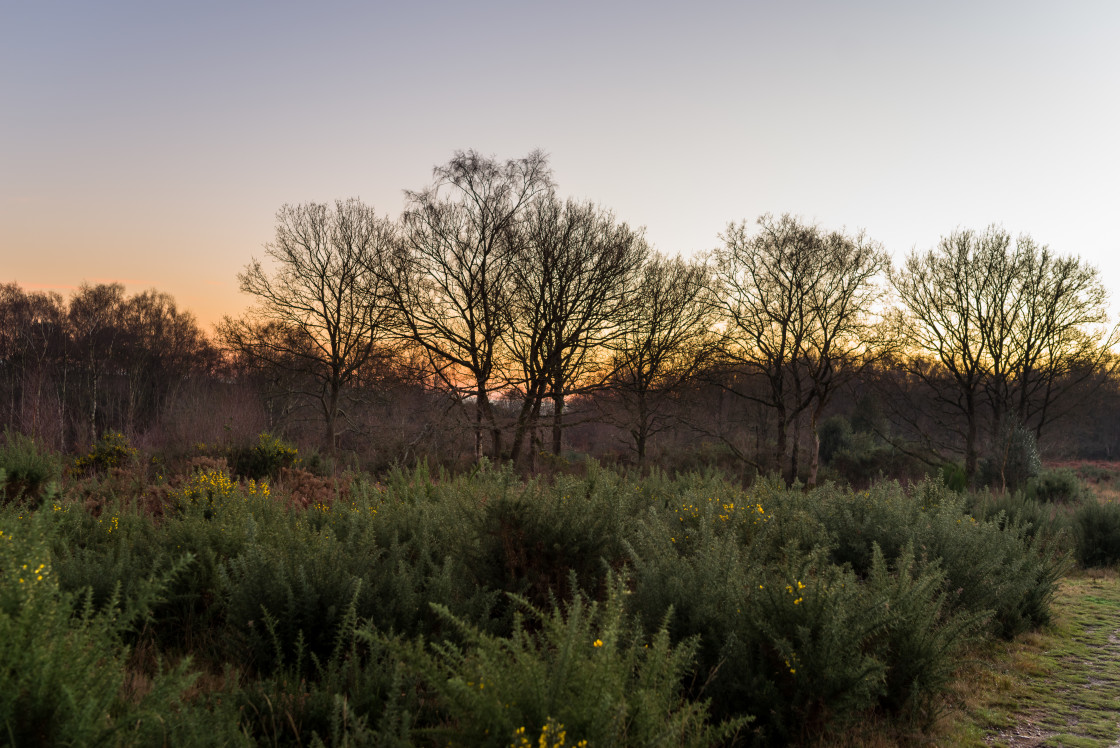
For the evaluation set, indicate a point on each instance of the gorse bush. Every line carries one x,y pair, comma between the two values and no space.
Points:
604,608
584,668
1014,459
111,450
63,663
1097,528
1060,486
264,459
27,472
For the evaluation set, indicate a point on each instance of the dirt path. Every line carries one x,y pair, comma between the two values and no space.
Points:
1062,687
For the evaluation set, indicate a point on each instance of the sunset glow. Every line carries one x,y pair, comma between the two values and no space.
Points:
154,144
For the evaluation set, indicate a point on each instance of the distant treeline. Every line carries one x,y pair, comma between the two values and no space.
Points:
494,318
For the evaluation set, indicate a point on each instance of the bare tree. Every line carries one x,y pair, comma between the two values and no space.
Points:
161,347
999,332
572,294
451,282
765,289
794,306
94,318
322,306
667,339
941,291
844,338
1060,338
34,363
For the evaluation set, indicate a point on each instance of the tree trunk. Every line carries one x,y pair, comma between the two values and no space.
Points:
641,434
526,420
478,428
815,452
783,440
332,416
95,385
535,440
970,461
796,452
557,422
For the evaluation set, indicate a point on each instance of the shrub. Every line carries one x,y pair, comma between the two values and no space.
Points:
991,564
111,450
835,435
1014,459
1022,510
867,458
795,640
63,664
304,489
536,541
360,695
1097,530
26,471
584,669
1061,486
954,477
264,459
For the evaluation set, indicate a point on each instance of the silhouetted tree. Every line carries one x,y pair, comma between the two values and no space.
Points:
999,332
844,336
791,302
451,283
34,345
573,283
666,339
96,330
321,312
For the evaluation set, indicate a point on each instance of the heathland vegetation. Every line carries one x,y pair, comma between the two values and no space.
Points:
496,473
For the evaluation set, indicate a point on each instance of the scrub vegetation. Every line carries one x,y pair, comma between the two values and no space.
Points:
160,600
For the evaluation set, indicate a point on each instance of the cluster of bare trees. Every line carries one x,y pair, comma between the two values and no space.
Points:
512,302
490,286
522,315
795,305
103,359
999,332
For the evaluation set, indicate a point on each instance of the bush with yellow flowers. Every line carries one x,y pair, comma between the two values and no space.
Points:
111,450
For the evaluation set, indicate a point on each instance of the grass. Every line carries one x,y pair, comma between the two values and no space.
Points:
1056,687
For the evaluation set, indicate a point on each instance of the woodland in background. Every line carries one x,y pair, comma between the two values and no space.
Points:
495,319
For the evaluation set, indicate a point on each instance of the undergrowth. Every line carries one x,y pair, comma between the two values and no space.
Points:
491,610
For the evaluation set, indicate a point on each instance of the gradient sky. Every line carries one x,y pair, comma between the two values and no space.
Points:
152,142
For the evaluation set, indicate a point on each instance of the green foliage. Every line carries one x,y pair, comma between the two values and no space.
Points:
1061,486
1014,459
992,564
360,695
62,662
920,640
536,540
835,434
1097,529
27,472
111,450
1034,516
584,668
372,619
866,458
264,459
954,477
795,640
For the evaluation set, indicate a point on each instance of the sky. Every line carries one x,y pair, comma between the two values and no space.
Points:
152,142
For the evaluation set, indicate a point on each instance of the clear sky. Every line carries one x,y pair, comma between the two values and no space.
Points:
152,142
